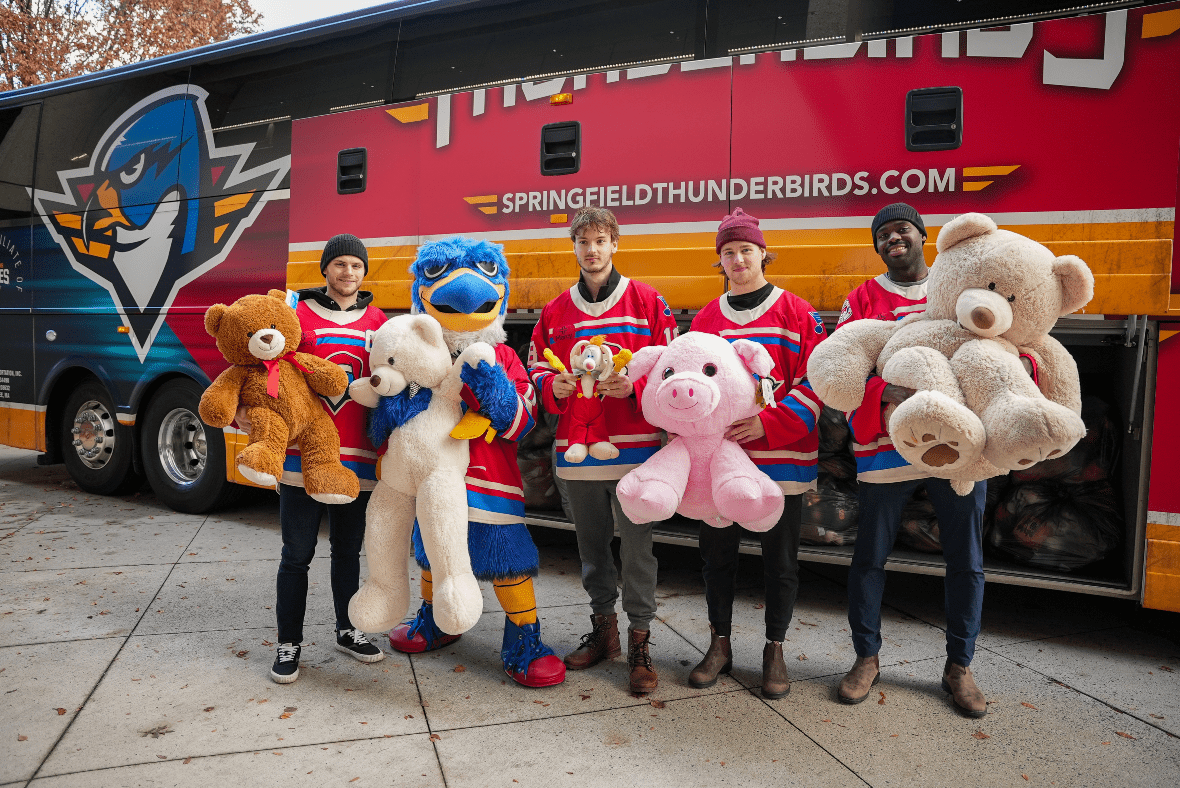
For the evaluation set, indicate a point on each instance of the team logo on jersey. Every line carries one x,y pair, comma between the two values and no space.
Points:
131,220
819,321
353,366
845,312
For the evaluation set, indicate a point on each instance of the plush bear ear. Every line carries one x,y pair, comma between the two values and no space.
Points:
279,294
428,330
213,317
1077,283
963,228
644,359
756,358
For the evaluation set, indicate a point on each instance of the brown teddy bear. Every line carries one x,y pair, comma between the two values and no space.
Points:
258,335
992,298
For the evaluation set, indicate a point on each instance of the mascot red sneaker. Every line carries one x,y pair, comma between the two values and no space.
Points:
463,284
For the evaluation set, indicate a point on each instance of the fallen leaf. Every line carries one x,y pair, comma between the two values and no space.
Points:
409,716
882,701
1158,717
893,735
1165,667
291,709
585,697
980,735
1025,776
21,737
825,720
188,760
157,732
1125,735
60,711
354,779
1029,706
285,716
460,669
209,708
801,657
434,737
659,704
241,654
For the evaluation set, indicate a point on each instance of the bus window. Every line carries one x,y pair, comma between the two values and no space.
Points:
734,24
18,142
519,40
254,100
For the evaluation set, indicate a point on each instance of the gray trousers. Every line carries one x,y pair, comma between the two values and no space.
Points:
595,509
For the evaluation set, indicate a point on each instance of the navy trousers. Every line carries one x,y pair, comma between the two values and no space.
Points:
960,529
299,516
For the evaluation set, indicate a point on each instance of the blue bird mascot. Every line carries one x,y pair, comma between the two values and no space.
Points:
463,284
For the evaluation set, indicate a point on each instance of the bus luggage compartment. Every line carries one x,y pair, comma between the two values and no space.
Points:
1092,538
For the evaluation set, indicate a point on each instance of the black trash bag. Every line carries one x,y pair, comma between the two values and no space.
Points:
835,445
830,513
1058,525
919,523
1092,460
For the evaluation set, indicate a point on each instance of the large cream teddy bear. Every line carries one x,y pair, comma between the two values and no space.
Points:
415,393
992,297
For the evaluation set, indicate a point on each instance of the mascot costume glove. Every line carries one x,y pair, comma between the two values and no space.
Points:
993,297
463,284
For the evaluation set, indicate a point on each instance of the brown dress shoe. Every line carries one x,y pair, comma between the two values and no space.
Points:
643,679
958,681
718,659
775,681
859,682
601,642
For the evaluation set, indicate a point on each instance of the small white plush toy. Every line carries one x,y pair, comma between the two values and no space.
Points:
415,393
593,362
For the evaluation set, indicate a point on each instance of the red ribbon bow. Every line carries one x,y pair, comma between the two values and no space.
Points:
272,372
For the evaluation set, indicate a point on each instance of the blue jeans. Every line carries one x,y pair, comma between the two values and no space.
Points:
299,516
960,529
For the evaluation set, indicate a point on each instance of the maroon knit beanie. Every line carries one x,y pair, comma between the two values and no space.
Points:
739,226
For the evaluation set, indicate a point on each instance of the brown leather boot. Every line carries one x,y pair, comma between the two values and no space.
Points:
601,642
775,681
718,659
859,682
958,681
643,678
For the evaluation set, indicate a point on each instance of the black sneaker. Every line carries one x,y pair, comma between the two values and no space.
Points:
354,642
286,667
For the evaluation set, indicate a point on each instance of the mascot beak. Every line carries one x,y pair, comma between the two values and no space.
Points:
463,301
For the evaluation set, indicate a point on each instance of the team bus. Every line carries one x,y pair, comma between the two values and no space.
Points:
131,200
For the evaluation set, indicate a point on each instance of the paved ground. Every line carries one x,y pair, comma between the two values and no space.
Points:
135,645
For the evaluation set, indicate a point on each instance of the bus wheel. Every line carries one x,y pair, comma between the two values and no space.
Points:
97,449
183,458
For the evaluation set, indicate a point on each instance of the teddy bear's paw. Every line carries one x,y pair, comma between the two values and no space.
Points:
749,500
576,452
477,352
646,500
603,450
1041,430
258,477
962,486
458,603
374,609
933,432
330,483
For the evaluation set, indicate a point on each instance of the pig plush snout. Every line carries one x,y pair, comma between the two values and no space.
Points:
688,396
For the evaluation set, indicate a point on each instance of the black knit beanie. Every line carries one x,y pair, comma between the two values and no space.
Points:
894,212
342,244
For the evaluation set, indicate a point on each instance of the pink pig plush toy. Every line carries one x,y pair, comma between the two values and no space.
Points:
697,386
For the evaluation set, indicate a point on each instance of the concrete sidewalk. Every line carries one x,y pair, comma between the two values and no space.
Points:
135,646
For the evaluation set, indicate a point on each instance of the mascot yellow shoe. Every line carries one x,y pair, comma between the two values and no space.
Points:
464,285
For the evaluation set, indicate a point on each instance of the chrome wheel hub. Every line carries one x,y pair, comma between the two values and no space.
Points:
94,434
181,446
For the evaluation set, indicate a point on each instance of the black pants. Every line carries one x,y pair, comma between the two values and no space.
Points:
299,516
780,560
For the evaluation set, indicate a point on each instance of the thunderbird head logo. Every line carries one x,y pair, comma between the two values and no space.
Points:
158,205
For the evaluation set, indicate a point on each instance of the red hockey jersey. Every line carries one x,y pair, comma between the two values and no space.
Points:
342,338
495,491
633,316
876,459
788,328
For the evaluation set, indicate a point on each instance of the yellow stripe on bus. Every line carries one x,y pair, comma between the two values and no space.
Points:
22,428
1131,262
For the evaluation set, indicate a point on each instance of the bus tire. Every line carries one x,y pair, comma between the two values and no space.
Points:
183,458
96,448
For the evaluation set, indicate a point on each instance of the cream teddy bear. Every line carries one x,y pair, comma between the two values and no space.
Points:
415,392
992,297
